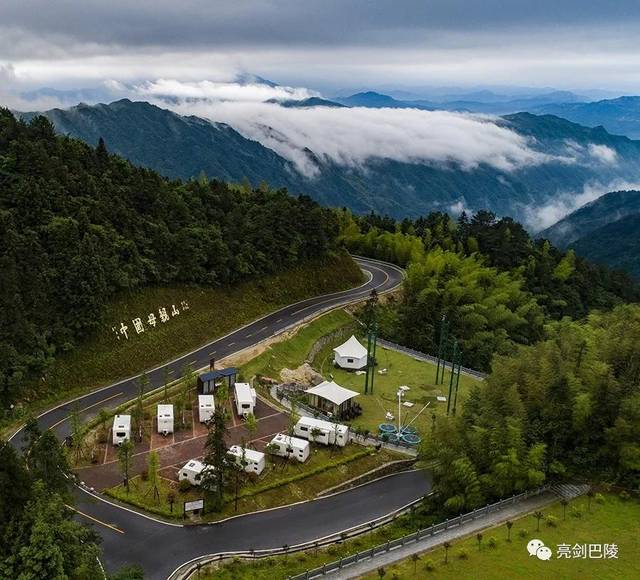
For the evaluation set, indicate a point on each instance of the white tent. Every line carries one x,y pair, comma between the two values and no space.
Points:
121,429
350,355
331,398
254,461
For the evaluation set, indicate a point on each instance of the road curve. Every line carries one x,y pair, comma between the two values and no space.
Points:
160,547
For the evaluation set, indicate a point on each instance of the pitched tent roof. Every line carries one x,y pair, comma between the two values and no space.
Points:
352,349
332,392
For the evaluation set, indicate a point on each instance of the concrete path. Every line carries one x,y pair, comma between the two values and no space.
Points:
509,512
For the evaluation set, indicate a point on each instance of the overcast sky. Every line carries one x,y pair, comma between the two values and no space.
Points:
324,44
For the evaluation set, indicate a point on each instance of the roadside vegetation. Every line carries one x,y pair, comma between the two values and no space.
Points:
501,552
609,519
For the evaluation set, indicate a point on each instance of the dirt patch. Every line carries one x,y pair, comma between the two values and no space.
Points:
304,374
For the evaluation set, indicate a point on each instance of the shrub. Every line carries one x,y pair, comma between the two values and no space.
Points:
429,566
599,498
523,533
184,485
624,495
551,521
144,475
463,554
492,542
575,512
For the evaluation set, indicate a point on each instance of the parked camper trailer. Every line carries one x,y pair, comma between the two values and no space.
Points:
245,399
206,407
254,461
326,432
121,429
286,446
193,471
165,419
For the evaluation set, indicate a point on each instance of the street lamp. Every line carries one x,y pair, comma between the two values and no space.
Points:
401,392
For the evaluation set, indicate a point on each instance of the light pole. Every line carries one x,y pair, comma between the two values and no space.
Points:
401,391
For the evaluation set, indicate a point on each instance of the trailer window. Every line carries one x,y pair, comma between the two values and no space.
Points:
120,434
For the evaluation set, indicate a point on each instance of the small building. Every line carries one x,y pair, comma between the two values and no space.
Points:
207,382
165,419
325,432
254,461
121,429
206,407
245,398
193,471
350,355
286,446
331,398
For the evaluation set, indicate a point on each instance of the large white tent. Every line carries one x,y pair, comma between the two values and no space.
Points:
331,397
350,355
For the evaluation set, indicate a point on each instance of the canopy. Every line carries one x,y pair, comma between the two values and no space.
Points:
332,392
351,349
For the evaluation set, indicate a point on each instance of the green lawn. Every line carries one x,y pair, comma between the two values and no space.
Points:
282,482
614,522
402,369
212,312
292,353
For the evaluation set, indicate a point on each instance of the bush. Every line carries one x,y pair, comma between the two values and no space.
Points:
429,566
523,533
144,475
575,512
463,554
624,495
551,521
493,543
599,498
184,485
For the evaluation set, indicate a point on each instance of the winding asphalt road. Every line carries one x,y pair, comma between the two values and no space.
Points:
129,537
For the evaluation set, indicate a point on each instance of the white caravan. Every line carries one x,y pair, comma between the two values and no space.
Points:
326,432
254,461
206,407
286,446
165,419
245,399
121,429
193,471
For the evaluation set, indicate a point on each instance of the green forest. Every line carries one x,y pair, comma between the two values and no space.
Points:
496,285
78,226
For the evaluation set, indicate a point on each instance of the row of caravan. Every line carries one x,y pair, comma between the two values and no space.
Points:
165,419
252,460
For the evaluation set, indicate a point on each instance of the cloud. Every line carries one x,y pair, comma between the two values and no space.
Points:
349,137
603,154
541,217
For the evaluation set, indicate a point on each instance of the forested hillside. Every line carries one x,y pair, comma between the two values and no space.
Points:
183,147
566,406
78,226
494,283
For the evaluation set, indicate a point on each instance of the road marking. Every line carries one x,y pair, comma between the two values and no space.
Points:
171,372
105,524
249,335
85,409
193,362
231,344
279,320
264,328
212,352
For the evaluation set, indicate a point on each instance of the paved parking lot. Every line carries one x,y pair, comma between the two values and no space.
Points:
176,449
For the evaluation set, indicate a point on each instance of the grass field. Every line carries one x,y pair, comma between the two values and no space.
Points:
212,312
292,353
613,522
402,369
282,482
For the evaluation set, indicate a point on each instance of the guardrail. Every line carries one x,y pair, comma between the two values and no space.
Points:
186,570
419,535
427,357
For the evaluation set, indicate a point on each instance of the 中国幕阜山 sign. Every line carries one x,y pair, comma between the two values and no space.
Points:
141,324
190,506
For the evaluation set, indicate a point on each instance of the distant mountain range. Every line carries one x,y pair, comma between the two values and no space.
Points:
606,231
185,146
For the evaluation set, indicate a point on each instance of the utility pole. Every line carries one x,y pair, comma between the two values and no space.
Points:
444,332
455,398
454,358
371,358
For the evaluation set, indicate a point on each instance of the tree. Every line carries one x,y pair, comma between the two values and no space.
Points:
381,572
153,465
590,494
46,459
103,424
564,503
447,547
214,479
125,461
538,515
509,525
415,558
479,540
77,434
165,385
251,424
315,433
